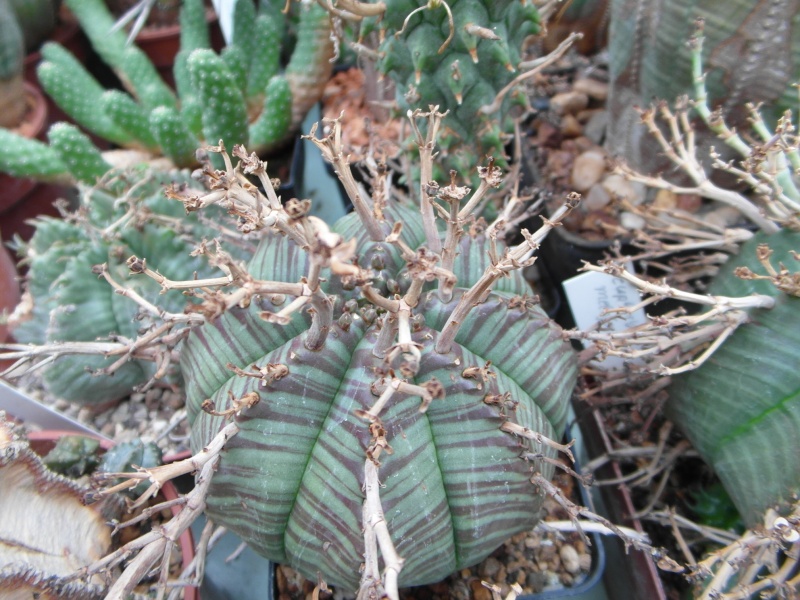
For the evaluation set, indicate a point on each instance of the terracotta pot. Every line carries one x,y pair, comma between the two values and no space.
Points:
162,43
23,199
9,289
42,442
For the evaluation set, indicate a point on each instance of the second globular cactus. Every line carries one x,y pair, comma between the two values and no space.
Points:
66,301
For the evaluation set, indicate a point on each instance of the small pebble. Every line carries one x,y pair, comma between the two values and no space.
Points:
478,591
689,202
571,127
665,200
594,89
489,568
548,135
588,169
724,216
569,102
631,221
621,188
570,559
536,580
586,562
596,198
596,127
583,143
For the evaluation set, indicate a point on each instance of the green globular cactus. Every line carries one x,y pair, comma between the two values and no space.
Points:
457,483
741,408
459,65
70,302
125,457
241,97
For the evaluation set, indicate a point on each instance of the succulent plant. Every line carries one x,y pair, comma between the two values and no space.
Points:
126,456
48,531
340,383
66,301
73,456
741,409
456,55
239,96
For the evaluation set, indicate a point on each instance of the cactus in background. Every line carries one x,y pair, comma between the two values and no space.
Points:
741,409
37,19
127,456
67,301
456,55
12,97
240,96
494,372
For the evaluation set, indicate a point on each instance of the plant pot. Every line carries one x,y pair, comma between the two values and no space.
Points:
9,290
630,574
162,44
43,442
23,199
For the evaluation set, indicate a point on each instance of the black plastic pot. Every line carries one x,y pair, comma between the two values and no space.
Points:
629,574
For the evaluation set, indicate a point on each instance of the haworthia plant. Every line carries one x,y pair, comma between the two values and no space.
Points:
241,97
456,485
459,65
70,302
741,409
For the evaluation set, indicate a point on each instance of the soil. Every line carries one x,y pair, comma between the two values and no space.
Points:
347,92
155,415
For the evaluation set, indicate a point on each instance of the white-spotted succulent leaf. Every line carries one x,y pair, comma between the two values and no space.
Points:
741,409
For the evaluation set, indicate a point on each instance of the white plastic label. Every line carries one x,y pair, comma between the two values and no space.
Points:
591,293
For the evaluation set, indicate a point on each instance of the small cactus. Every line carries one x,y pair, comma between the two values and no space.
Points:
457,55
126,456
240,96
67,301
73,456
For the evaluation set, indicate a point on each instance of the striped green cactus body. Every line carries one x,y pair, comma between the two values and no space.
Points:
741,409
455,487
461,75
